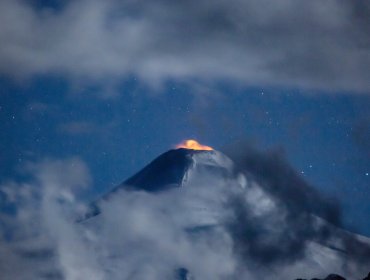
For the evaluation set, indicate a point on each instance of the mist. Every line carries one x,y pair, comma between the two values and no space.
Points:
222,229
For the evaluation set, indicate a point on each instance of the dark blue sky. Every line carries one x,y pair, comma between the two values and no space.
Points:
324,136
117,83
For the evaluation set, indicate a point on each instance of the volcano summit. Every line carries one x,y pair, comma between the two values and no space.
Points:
176,167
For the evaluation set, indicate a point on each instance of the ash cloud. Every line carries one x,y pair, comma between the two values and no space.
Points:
290,214
278,178
307,44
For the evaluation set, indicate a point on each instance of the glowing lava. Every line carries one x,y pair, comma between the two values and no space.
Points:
193,145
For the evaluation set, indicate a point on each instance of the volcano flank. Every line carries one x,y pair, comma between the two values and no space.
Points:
216,198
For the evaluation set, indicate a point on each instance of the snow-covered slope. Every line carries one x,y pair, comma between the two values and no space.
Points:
200,183
176,168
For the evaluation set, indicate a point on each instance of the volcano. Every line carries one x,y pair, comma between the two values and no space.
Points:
334,251
176,168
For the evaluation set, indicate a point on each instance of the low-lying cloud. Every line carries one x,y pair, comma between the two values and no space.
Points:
307,44
217,229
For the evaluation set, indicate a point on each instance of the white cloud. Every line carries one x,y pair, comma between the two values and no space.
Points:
306,44
142,235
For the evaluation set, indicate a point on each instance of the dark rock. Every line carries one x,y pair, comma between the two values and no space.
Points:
367,277
329,277
183,274
334,277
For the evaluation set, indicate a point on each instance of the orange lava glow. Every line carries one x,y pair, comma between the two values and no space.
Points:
193,145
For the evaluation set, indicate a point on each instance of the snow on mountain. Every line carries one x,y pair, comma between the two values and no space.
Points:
189,214
194,187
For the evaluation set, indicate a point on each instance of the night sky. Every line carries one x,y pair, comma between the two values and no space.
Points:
117,84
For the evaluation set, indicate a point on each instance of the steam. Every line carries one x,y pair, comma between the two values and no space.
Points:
234,229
